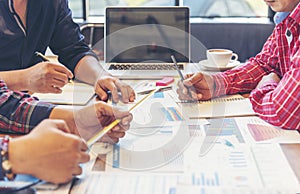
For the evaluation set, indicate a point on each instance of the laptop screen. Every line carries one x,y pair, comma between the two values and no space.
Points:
146,34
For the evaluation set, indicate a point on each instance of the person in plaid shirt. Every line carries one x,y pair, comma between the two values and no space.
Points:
272,76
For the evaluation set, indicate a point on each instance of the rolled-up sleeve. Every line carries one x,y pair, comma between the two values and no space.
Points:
279,103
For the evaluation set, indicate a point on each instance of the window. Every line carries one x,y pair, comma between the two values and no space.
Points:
226,8
97,7
77,8
198,8
259,7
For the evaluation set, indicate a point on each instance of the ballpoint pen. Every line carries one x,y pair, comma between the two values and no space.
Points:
180,74
44,58
176,66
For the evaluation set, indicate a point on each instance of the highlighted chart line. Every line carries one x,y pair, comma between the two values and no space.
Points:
172,114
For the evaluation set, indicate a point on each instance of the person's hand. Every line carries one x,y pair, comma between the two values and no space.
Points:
89,70
114,135
92,119
272,77
49,152
89,120
197,86
108,83
47,77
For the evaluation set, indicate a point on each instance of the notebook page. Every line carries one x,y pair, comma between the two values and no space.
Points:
72,94
228,106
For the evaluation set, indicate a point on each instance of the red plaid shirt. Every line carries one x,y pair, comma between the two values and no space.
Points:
19,112
277,103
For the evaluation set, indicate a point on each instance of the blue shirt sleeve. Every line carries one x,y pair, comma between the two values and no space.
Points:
67,41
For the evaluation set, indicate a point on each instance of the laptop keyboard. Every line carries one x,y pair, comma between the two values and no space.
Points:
144,66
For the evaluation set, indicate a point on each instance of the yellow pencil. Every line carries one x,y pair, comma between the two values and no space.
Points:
101,133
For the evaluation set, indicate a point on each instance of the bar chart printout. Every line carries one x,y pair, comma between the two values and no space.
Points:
224,127
203,179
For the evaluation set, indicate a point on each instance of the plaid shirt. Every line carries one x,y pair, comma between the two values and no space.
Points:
277,103
19,112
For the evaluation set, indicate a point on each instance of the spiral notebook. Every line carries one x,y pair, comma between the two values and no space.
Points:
229,106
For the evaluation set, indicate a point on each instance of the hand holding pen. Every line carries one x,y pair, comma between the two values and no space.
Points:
44,58
194,87
46,77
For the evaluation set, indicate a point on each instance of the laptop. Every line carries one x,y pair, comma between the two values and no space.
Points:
139,41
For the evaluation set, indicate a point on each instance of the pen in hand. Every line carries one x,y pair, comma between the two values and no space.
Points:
180,74
44,58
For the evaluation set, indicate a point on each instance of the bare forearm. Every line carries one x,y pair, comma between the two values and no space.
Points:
66,114
17,148
15,80
89,70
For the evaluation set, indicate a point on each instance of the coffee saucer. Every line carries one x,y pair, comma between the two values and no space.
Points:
205,64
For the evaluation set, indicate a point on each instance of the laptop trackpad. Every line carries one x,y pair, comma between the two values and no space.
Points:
143,74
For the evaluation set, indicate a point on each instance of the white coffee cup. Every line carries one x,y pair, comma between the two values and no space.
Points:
220,57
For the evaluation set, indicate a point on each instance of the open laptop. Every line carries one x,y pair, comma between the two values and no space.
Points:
140,40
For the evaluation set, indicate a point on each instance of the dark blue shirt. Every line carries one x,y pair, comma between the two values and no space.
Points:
49,23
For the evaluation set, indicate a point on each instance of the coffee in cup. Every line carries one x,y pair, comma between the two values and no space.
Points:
220,57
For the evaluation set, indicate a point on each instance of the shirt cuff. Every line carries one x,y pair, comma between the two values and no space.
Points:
40,112
75,61
257,94
219,85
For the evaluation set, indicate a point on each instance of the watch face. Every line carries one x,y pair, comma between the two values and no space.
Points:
6,165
